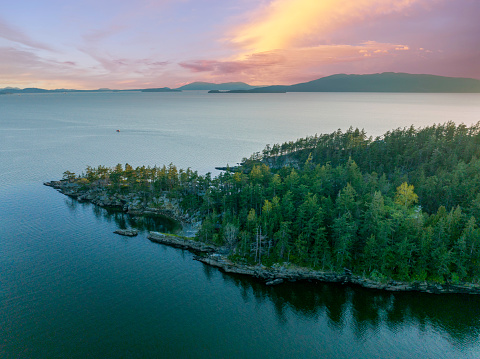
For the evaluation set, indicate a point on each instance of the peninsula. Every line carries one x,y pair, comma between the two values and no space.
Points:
397,212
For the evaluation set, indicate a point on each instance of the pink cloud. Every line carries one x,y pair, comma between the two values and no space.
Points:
13,34
286,41
114,64
163,43
101,34
287,66
286,24
24,68
200,65
253,62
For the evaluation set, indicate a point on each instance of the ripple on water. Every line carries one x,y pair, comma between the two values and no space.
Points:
71,288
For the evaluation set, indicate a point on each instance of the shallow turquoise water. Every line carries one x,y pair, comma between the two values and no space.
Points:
69,287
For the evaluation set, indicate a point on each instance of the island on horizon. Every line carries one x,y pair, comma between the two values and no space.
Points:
162,89
380,82
384,82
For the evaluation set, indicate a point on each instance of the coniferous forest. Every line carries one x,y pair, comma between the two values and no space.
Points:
403,206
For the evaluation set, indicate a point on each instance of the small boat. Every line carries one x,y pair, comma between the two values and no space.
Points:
118,130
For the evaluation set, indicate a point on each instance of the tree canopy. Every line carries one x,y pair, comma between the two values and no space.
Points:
404,205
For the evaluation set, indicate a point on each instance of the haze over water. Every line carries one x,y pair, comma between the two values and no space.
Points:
71,288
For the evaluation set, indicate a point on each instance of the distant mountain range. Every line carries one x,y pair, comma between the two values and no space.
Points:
384,82
163,89
15,90
207,86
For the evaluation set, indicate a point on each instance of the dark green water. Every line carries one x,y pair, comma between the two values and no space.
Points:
70,288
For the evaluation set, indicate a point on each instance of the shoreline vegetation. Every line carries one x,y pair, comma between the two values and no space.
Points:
399,212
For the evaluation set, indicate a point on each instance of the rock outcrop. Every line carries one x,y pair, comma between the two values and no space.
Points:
180,242
274,276
131,203
126,232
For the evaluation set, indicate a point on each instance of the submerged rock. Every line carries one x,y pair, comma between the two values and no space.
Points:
275,282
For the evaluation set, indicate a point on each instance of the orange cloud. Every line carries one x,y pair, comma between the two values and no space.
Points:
282,66
298,23
288,39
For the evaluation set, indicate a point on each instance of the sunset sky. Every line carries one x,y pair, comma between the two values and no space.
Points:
155,43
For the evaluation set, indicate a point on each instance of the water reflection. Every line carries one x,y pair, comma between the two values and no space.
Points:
366,311
124,221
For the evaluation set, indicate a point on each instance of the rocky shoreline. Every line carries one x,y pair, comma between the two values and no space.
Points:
131,203
217,256
181,242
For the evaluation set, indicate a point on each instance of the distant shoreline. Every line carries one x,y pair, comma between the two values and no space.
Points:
389,82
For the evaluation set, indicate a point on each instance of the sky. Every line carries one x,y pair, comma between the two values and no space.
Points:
122,44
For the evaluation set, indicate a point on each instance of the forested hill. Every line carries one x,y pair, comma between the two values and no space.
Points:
403,206
431,156
384,82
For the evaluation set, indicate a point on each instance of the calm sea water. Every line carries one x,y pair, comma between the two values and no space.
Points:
70,288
